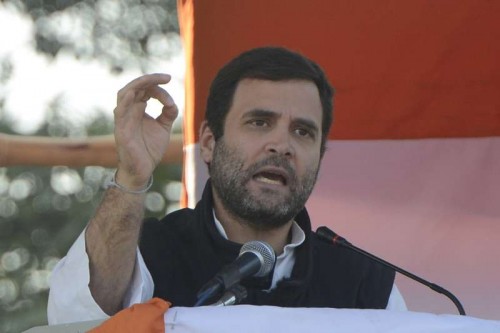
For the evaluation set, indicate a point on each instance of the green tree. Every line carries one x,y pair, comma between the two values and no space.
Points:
44,209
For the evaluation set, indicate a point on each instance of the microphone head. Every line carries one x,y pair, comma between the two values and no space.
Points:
264,252
329,236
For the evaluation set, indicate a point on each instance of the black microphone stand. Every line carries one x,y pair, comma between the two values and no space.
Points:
331,237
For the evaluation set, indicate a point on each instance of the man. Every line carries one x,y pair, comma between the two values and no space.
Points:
267,120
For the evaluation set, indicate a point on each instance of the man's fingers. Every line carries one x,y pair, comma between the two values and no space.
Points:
129,107
124,102
143,83
132,102
167,116
161,95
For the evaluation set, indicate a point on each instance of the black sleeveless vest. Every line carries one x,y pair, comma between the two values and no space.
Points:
184,250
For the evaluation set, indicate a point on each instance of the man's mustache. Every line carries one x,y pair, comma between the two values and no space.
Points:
275,161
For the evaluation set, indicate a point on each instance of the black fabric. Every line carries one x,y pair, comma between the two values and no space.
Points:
184,250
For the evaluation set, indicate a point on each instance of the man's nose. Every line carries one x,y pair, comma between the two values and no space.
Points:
280,142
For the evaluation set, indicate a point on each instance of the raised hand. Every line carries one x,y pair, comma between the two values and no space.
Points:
112,234
140,139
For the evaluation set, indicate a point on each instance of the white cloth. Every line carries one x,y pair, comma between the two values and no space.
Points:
263,319
70,299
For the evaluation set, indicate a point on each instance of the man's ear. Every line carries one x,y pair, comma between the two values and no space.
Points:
207,142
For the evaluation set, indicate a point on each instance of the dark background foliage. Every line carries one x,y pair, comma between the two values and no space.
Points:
44,209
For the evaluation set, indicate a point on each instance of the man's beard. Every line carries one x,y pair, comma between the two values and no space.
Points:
268,210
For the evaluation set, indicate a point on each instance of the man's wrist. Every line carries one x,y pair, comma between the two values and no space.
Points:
113,183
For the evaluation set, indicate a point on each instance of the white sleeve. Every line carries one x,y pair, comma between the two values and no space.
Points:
70,299
396,300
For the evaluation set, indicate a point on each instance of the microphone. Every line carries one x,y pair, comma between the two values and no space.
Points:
256,258
232,296
331,237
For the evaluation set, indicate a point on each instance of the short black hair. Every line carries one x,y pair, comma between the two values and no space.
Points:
266,63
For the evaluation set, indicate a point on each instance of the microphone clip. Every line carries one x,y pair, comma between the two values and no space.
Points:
233,296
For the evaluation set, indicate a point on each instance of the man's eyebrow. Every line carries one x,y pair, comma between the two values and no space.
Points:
260,113
263,113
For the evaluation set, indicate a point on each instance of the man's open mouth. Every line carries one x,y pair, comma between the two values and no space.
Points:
269,177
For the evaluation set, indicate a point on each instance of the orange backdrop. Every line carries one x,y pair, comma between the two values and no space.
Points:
402,69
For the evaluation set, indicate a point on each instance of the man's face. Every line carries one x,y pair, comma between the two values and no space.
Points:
264,167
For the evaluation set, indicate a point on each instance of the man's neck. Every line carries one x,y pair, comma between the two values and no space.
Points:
240,231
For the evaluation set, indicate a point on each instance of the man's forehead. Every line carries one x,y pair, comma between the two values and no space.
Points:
260,81
278,96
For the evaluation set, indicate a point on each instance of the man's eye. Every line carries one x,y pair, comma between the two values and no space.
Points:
259,122
304,132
